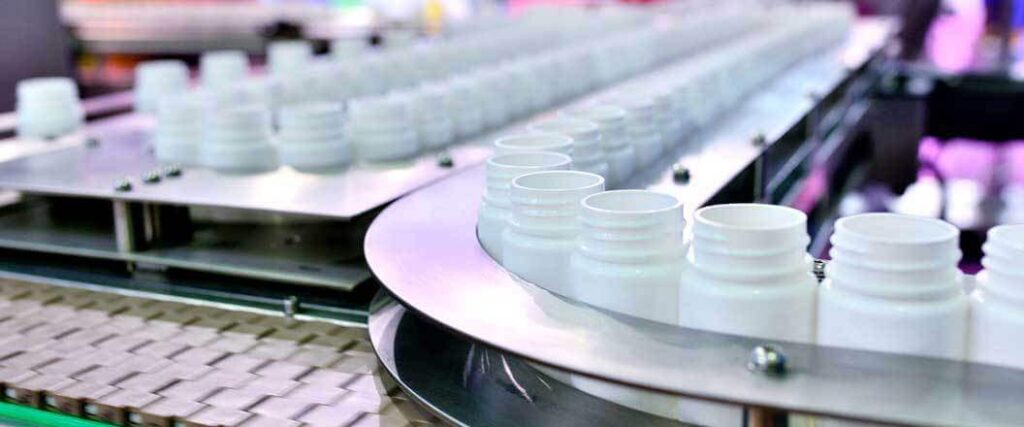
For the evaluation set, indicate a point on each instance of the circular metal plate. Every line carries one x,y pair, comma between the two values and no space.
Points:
470,384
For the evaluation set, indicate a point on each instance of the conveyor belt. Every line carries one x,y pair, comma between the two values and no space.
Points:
134,361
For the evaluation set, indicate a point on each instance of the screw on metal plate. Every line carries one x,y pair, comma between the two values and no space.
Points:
767,360
814,96
445,160
151,177
290,306
759,140
172,171
680,173
92,142
123,185
819,269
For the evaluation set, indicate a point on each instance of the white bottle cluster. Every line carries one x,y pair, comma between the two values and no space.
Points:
893,284
495,208
455,89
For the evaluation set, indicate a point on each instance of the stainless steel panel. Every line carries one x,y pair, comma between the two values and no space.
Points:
123,152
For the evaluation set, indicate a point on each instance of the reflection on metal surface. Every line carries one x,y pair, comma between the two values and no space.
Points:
466,383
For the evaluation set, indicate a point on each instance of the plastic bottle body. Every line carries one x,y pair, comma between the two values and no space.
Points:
748,273
629,256
893,285
542,230
997,303
495,207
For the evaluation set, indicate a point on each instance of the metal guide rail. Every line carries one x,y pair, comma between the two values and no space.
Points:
819,102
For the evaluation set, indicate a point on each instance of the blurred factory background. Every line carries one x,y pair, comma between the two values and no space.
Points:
929,122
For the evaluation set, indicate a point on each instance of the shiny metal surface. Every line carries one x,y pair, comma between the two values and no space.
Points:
468,384
123,152
424,250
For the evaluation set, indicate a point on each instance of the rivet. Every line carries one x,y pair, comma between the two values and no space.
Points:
445,160
173,171
680,173
767,360
123,185
819,269
151,177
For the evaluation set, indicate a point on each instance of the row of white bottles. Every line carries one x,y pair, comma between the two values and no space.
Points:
892,286
310,137
425,118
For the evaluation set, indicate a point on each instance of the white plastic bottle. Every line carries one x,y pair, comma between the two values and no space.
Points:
238,140
48,107
222,68
179,129
893,285
495,208
311,137
383,129
534,142
670,123
619,152
629,256
748,273
587,154
541,233
464,98
436,128
641,127
286,57
997,303
158,79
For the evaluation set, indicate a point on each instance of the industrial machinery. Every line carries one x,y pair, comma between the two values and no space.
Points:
261,283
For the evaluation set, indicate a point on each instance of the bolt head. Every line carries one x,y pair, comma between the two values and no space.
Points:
680,173
92,142
123,185
445,160
151,177
291,306
173,171
819,269
767,360
759,140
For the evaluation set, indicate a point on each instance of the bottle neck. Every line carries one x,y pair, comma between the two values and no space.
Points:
553,220
643,244
721,261
1002,278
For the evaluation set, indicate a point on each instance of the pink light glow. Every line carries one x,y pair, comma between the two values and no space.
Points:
953,38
